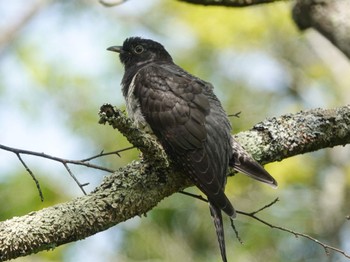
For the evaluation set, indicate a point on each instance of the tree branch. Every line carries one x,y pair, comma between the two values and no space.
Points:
230,3
138,187
331,18
281,137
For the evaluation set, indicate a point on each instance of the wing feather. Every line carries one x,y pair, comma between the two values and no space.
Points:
189,121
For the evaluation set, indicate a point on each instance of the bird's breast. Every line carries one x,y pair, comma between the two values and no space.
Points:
133,108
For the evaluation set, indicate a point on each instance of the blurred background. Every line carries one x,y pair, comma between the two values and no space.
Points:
55,73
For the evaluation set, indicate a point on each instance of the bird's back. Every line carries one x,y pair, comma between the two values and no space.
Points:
189,121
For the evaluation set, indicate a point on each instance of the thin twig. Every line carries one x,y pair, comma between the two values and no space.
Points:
194,196
65,162
57,159
253,215
32,175
107,154
235,114
266,206
296,234
81,186
236,232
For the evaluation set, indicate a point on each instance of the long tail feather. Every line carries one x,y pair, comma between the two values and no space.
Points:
217,218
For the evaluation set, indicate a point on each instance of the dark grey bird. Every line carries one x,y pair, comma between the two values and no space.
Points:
187,118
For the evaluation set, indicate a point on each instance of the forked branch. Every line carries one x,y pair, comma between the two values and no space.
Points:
65,162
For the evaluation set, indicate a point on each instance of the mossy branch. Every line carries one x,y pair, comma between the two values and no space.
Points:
138,187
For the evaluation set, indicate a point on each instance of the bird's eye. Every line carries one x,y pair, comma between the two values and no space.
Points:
139,49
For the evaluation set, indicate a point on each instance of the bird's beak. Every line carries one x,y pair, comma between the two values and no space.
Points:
117,49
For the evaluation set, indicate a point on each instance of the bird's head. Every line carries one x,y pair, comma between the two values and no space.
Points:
137,51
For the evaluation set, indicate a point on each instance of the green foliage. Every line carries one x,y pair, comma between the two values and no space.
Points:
21,196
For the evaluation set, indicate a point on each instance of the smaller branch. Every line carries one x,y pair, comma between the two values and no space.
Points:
57,159
194,196
237,115
107,154
266,206
296,234
236,232
32,175
65,163
81,186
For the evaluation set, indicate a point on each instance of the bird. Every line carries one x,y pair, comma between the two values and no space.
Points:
183,113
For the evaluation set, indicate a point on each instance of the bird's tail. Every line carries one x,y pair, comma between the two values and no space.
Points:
217,218
243,162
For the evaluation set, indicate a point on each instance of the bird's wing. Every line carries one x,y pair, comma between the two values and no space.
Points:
244,163
179,109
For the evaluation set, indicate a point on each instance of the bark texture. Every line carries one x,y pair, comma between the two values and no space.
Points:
138,187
